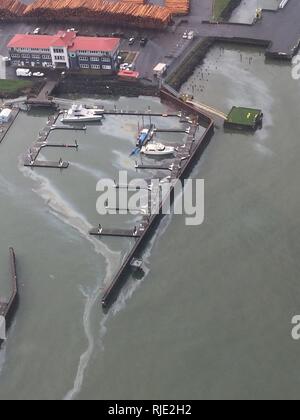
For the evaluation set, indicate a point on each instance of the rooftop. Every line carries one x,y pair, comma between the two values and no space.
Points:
64,39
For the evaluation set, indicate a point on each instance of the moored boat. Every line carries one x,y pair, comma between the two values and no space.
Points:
78,113
157,149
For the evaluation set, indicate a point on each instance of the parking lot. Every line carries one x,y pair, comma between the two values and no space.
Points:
162,46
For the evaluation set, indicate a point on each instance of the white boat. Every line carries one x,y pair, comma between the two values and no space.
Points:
78,113
157,149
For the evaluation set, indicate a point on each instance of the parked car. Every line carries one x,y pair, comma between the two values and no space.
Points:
185,35
131,41
38,74
118,34
143,42
124,66
37,31
191,35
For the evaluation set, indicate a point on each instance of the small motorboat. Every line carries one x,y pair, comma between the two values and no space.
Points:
157,149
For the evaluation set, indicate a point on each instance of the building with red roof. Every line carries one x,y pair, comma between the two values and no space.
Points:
64,50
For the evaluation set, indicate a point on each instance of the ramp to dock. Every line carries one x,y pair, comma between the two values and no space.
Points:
210,110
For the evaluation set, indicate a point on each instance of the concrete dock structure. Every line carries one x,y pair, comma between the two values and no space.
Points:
277,30
8,307
195,146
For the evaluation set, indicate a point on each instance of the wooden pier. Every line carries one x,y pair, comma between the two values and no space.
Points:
31,157
69,127
46,164
121,233
140,113
154,167
8,307
188,154
166,130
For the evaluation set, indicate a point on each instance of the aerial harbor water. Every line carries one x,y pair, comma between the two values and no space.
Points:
211,318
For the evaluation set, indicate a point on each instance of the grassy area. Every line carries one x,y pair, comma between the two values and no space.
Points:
13,87
219,7
244,116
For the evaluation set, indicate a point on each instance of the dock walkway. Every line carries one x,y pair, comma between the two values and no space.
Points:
278,31
43,99
8,307
182,162
31,157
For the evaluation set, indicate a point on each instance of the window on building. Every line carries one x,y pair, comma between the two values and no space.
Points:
95,66
94,58
59,58
83,58
58,50
106,67
36,56
46,57
25,55
84,66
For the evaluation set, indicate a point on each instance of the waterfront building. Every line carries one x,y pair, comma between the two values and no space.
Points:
65,50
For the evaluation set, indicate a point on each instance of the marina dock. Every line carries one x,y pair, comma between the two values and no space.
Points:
121,233
194,148
154,167
31,157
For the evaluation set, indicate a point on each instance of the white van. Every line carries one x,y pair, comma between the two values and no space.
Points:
23,73
191,35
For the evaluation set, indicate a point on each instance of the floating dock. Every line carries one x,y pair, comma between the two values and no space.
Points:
69,127
8,308
31,157
244,119
46,164
121,233
194,147
154,167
